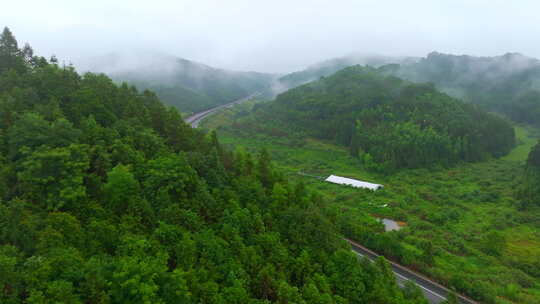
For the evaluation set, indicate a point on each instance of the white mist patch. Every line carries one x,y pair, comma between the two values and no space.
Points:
112,63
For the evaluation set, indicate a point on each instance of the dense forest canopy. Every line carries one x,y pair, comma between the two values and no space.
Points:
107,196
395,123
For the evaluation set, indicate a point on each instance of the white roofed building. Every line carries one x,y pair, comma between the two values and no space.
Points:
352,182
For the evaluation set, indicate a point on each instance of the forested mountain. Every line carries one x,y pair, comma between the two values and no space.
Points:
331,66
107,196
395,123
509,83
186,85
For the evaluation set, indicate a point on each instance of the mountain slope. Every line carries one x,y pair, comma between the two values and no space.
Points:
186,85
383,118
331,66
509,83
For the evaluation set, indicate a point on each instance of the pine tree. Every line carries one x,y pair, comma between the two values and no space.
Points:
8,43
27,53
9,51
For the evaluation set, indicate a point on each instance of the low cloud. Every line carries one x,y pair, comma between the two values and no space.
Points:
273,36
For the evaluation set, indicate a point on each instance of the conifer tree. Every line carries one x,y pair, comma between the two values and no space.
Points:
9,51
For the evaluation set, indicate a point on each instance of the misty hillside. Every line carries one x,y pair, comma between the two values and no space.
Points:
329,67
386,120
184,84
509,83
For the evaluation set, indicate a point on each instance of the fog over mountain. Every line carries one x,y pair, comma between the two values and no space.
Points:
188,85
200,54
276,36
496,82
330,66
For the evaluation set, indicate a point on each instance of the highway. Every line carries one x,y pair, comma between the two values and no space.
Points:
434,292
196,118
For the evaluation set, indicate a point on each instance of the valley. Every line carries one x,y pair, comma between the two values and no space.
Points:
196,118
451,213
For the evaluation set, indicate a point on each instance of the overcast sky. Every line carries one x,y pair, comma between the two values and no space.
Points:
273,35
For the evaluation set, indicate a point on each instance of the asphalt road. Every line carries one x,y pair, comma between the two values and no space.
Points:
196,118
434,292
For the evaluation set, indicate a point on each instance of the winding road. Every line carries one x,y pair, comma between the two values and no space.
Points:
196,118
434,292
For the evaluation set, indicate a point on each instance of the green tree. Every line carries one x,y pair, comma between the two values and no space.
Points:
451,299
347,278
57,292
54,177
10,55
529,190
264,169
11,279
32,131
493,243
122,191
411,291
